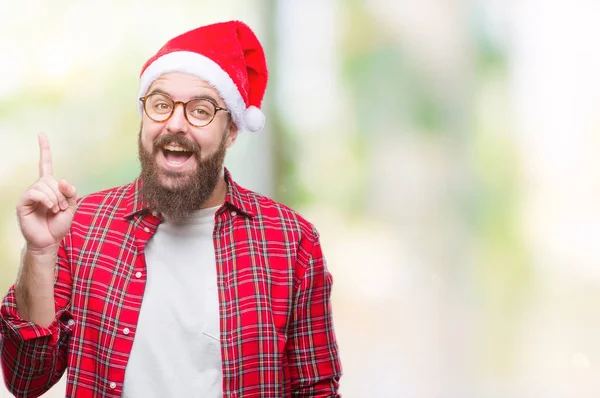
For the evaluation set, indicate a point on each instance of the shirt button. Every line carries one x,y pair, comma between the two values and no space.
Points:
112,385
147,229
71,322
138,274
234,213
154,213
126,331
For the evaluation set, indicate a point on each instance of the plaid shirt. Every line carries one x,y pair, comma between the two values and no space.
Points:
277,337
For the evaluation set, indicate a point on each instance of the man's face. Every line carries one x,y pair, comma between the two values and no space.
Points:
180,162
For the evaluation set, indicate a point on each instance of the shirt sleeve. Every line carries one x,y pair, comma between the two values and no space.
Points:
35,357
314,365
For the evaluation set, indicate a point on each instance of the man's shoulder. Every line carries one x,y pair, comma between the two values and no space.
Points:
113,197
268,210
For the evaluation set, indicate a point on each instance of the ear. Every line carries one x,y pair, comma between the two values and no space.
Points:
232,134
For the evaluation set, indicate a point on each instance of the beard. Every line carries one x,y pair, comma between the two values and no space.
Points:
188,192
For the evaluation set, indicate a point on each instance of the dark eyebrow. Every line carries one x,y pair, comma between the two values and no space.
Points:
159,91
200,97
206,97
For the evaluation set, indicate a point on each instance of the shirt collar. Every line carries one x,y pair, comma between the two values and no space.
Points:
134,202
237,197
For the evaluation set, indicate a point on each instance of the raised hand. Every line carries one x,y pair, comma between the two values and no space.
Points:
46,209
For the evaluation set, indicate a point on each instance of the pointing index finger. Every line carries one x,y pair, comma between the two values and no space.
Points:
45,156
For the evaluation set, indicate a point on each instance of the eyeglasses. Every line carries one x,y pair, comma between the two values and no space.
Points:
198,112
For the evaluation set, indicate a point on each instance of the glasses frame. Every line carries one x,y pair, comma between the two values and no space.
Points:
184,104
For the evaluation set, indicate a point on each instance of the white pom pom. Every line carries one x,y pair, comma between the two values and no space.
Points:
255,119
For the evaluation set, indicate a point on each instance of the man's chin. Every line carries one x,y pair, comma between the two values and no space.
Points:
172,181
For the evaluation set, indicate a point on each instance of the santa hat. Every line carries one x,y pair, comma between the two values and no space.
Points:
229,57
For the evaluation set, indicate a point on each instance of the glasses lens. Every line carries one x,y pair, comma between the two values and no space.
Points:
200,112
159,107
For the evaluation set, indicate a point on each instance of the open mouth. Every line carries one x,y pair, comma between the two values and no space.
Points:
176,154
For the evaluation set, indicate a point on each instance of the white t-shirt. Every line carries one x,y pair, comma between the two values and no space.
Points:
176,349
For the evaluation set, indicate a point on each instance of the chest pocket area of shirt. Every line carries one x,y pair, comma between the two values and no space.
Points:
100,284
262,295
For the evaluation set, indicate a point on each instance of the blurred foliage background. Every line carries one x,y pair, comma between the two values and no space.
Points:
445,149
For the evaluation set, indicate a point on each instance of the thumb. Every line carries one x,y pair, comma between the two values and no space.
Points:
70,193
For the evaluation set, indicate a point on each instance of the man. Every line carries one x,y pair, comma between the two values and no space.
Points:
182,283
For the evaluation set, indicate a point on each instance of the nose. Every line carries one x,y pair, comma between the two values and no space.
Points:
177,123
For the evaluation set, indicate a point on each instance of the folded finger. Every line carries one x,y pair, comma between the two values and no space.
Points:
34,197
53,184
43,187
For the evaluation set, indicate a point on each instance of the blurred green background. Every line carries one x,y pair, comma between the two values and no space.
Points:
445,149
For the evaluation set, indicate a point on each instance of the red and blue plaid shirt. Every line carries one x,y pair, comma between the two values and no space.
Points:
276,329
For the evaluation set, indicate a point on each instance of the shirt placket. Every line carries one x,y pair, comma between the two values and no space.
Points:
126,325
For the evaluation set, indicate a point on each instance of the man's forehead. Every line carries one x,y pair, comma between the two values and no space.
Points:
183,84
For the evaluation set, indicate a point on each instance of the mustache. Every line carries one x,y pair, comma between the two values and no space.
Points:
177,139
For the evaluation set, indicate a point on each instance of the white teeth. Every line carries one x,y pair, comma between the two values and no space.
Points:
176,148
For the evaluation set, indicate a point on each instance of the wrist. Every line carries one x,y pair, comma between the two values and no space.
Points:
38,264
41,252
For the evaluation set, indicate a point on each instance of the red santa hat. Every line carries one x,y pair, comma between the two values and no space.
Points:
229,57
